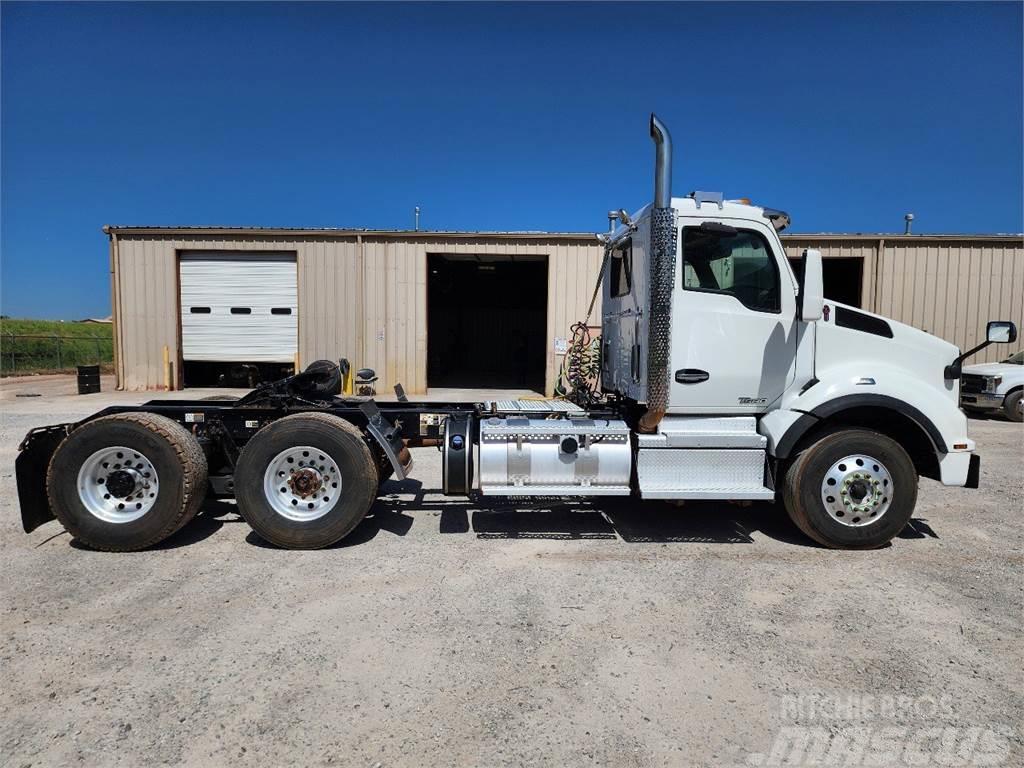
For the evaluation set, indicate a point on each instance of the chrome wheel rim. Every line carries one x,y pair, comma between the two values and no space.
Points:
118,484
857,490
302,483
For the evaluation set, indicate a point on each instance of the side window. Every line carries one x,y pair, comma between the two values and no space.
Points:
738,262
621,266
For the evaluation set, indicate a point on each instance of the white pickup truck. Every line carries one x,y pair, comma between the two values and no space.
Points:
995,387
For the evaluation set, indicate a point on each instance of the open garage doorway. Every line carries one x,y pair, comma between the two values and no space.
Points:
486,321
843,277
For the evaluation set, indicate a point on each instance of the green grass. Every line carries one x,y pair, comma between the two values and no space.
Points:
50,346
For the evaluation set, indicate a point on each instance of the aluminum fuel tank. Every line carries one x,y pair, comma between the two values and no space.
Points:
557,457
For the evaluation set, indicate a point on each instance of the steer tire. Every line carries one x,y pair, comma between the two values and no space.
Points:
255,479
804,484
173,452
1012,406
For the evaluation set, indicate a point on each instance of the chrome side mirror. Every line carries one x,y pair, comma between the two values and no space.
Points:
1001,332
996,332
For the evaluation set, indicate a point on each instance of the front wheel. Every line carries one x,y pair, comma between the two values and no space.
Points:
1013,408
852,489
305,481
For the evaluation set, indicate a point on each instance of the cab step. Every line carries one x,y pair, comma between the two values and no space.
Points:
697,457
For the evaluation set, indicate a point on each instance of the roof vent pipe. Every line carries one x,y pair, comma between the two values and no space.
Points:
909,218
662,163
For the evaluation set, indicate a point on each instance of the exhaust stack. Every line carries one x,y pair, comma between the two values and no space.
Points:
662,281
662,163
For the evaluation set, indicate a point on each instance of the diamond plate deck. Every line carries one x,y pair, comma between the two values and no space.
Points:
702,473
705,432
550,405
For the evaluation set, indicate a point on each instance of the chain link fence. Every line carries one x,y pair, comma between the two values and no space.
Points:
53,353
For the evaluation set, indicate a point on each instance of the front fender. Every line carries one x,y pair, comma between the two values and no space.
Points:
934,411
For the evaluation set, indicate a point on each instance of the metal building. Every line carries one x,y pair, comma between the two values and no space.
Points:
193,305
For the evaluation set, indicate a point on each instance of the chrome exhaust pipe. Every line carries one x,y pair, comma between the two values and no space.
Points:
662,281
662,163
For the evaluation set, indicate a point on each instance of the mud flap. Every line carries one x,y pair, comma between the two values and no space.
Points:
390,439
30,467
974,472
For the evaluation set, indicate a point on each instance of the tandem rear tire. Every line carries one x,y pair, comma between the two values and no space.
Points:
852,489
305,481
126,482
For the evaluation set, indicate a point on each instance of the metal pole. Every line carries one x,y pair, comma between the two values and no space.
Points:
59,365
417,218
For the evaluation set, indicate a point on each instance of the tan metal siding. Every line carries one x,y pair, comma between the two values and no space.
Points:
363,296
953,289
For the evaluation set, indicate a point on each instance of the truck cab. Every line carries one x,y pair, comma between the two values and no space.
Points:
735,335
748,378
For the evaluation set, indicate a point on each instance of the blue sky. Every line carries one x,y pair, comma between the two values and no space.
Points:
489,117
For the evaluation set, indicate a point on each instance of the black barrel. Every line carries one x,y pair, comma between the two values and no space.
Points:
88,379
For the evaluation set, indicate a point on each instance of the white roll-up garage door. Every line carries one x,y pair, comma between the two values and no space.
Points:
239,307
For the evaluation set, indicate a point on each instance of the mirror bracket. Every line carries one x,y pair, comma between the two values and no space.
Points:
955,369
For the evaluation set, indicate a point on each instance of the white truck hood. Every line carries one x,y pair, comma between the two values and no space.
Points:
993,369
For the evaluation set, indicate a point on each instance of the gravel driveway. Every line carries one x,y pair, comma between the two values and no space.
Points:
441,634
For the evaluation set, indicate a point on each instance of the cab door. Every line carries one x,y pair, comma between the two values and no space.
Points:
734,318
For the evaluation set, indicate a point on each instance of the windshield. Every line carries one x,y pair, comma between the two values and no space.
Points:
1017,359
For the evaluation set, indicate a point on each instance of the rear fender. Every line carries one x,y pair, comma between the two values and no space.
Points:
30,468
389,437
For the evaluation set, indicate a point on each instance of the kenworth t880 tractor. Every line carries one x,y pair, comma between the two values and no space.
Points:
723,375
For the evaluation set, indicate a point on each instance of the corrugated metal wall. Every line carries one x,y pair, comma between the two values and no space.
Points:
364,296
952,289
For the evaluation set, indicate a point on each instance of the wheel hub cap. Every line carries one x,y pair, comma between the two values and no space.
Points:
857,490
306,482
118,484
302,483
122,483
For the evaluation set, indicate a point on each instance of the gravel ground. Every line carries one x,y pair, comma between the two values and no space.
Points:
627,634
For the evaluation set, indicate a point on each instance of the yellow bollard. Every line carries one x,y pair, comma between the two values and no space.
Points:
167,369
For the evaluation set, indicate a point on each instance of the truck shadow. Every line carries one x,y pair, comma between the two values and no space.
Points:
629,520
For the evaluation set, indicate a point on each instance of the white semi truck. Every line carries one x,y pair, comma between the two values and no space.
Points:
723,376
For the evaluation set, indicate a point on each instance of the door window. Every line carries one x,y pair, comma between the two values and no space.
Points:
737,262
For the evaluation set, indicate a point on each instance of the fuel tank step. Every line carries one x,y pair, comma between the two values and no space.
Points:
703,473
